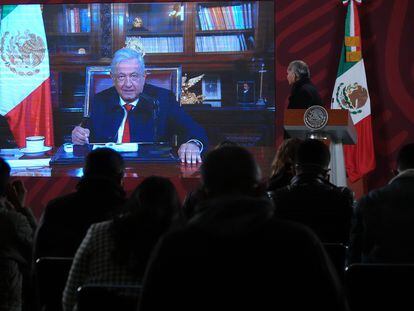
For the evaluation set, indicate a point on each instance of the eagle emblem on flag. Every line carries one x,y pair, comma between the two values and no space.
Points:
22,53
351,97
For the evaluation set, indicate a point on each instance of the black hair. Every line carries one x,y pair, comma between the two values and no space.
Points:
312,153
230,169
405,158
104,162
151,210
4,176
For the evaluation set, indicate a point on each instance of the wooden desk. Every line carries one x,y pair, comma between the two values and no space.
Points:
45,184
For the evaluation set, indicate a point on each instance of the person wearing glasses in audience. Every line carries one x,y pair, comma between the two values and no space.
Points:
125,112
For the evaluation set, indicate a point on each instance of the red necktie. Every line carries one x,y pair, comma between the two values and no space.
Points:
126,137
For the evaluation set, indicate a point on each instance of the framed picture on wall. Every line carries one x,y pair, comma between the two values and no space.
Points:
245,92
211,87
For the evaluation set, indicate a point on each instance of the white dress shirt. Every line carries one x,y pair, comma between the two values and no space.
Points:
121,127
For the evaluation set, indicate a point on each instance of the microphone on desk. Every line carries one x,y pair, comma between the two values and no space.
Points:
155,110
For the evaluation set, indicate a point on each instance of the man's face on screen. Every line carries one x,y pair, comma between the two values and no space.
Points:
129,79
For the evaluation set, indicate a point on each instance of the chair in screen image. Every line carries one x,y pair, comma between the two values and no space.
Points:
51,274
380,286
98,79
108,297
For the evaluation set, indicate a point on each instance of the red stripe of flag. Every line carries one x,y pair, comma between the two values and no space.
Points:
33,116
360,158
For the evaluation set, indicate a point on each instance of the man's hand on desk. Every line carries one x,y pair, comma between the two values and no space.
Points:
189,153
80,135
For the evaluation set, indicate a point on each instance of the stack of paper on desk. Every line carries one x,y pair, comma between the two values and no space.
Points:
14,163
121,147
15,158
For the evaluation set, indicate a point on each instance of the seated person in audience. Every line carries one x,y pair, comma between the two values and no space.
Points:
98,197
17,227
194,197
124,112
233,255
282,166
312,200
383,230
116,252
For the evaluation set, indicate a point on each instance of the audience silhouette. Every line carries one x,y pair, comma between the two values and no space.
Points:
194,197
238,248
283,164
312,200
234,255
17,227
116,252
383,230
99,196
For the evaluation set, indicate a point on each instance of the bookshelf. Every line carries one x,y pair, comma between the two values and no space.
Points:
159,26
70,29
228,27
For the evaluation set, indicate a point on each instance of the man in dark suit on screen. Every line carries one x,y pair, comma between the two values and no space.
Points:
132,111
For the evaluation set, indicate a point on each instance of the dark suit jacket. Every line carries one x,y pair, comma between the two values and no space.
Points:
304,94
383,230
106,116
314,202
66,219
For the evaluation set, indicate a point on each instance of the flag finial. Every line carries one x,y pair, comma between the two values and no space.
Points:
346,2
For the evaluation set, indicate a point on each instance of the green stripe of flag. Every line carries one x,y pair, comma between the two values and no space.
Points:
343,64
6,10
348,24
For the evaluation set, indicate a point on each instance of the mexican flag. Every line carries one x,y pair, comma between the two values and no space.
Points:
351,93
25,98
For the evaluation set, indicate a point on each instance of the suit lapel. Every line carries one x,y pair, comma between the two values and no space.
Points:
116,114
141,122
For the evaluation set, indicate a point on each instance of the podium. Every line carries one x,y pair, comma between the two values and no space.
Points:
339,130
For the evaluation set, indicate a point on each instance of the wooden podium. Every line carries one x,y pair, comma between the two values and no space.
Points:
339,130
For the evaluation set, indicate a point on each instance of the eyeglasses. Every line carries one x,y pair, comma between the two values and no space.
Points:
134,77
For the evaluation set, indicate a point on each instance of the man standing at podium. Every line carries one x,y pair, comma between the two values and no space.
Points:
303,94
132,111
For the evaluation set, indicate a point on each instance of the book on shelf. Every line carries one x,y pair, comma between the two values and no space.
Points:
162,44
85,25
77,20
221,43
226,17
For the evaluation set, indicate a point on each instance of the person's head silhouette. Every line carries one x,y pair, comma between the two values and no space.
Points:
230,170
104,163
